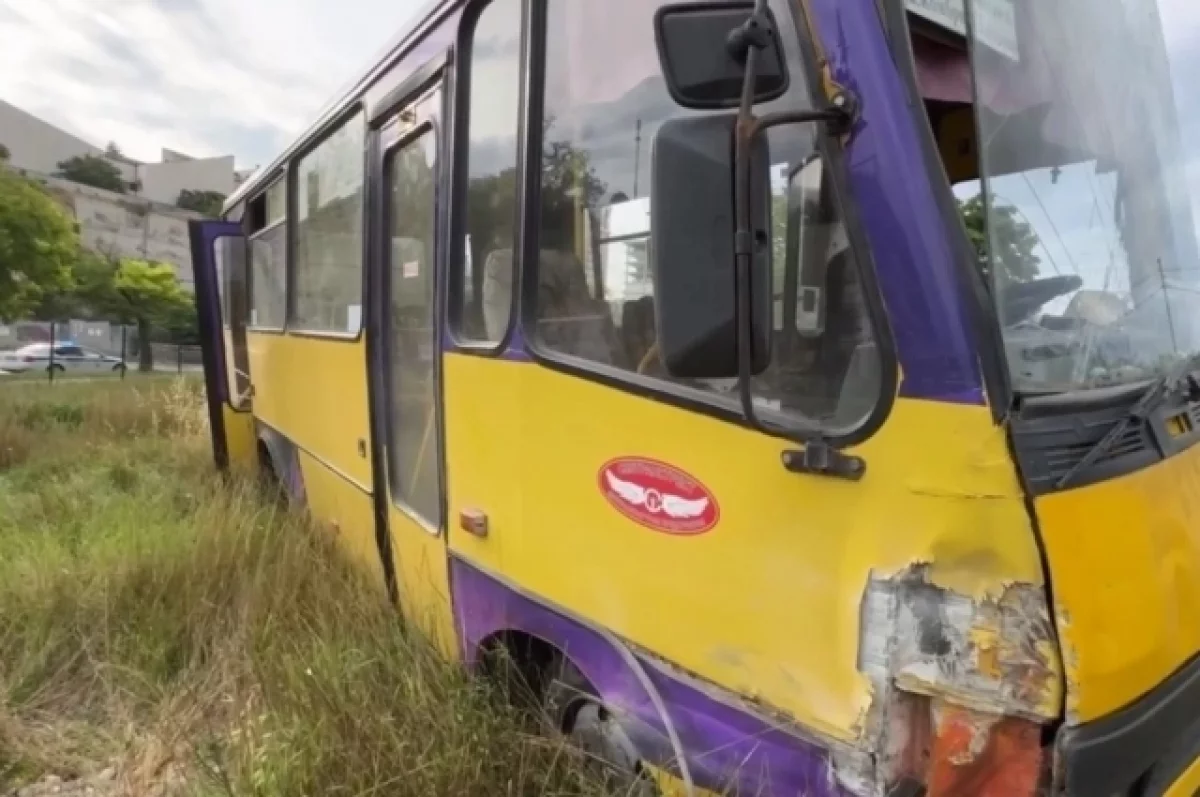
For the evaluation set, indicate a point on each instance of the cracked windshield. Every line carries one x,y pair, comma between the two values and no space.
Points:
1088,197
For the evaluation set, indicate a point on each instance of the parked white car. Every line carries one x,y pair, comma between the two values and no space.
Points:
68,357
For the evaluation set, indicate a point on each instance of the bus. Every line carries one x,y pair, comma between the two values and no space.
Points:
801,393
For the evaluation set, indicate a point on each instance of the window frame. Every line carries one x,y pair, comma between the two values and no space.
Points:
430,88
236,401
459,181
790,426
356,108
250,237
985,319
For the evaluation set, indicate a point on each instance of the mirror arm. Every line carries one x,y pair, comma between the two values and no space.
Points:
745,43
751,45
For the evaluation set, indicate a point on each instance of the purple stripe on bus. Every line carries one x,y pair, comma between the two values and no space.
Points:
725,746
917,271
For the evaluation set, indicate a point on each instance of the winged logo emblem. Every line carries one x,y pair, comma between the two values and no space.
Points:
658,496
672,505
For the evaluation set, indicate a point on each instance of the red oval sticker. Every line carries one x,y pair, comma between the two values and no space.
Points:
658,496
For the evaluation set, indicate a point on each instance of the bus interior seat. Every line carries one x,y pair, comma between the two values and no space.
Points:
570,321
637,330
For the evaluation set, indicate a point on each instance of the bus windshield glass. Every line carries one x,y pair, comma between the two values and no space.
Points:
1088,135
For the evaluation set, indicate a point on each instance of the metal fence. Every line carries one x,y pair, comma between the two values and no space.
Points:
113,340
170,357
99,336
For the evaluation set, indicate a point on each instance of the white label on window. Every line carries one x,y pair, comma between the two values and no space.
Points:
353,317
995,21
412,269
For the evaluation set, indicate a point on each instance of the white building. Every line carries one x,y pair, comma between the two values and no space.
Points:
38,146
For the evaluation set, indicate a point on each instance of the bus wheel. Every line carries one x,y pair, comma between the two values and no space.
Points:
573,709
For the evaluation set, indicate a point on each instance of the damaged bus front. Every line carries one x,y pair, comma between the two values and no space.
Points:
1069,130
1055,147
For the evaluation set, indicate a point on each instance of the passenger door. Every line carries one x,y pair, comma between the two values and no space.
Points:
219,269
406,391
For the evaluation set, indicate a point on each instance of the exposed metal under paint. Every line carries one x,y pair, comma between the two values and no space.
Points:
931,654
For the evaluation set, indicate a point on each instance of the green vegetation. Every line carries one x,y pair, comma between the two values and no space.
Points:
93,170
163,632
38,246
46,274
1015,240
131,292
207,202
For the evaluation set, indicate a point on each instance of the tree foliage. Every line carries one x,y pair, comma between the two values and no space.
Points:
207,202
136,292
92,170
39,245
1013,237
5,153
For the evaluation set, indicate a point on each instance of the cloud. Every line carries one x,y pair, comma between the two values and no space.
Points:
207,77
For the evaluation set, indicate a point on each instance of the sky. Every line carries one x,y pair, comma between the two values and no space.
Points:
204,77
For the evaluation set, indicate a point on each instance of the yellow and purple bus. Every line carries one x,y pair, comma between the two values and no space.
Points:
801,392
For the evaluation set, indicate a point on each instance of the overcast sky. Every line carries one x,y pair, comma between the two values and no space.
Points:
206,77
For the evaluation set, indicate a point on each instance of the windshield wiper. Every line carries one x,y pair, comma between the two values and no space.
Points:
1158,391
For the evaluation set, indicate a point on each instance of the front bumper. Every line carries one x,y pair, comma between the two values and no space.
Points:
1147,746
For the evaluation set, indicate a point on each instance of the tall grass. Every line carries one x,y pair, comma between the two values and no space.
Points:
200,640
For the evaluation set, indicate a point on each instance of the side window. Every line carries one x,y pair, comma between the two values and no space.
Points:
413,448
482,276
327,273
68,351
268,259
605,99
230,259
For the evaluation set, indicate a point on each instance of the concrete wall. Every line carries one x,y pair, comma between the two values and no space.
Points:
122,225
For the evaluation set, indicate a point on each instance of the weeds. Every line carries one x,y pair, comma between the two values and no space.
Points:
158,619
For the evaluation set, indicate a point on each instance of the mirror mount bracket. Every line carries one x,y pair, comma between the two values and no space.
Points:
754,33
819,458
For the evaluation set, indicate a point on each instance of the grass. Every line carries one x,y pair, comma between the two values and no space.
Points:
200,639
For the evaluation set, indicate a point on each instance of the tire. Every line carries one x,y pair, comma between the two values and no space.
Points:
119,368
56,369
572,709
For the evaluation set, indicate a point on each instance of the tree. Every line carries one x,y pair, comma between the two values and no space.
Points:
39,245
207,202
133,292
152,297
92,170
5,154
1013,237
181,324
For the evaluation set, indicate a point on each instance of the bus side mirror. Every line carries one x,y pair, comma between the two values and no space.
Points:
698,51
692,226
